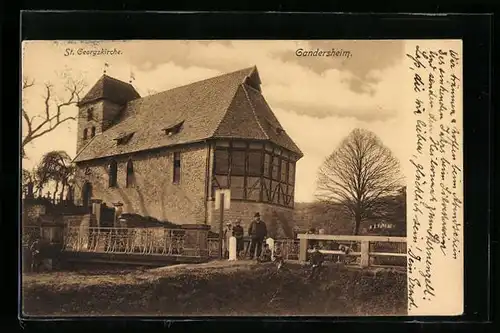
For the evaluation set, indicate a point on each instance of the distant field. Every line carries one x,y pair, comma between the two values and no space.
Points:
220,288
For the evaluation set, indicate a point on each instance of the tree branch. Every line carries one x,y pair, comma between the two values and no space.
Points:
53,113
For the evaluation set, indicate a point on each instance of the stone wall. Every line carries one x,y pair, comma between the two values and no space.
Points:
103,114
279,220
74,221
31,213
153,192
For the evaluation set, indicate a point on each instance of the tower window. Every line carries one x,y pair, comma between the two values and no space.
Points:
92,132
130,173
90,114
177,168
85,134
113,170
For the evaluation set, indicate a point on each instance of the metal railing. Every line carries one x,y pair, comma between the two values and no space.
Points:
356,250
146,241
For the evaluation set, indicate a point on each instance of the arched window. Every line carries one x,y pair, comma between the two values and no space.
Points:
177,168
130,174
113,170
86,194
92,132
85,134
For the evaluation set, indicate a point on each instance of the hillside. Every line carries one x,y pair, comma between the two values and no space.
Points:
220,288
335,221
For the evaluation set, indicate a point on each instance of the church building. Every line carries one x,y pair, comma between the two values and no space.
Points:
164,155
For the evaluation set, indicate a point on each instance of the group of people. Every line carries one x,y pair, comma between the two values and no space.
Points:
258,248
257,232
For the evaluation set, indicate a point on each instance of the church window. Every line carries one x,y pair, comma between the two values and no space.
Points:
177,168
85,134
92,132
113,171
221,162
238,162
255,164
130,174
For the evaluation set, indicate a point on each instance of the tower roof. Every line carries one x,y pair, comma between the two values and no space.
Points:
110,89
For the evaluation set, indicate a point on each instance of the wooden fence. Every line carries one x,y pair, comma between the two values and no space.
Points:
361,250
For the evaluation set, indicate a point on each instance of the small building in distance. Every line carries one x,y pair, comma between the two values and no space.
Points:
165,155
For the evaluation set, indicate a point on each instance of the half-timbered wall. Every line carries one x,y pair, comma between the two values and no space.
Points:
255,172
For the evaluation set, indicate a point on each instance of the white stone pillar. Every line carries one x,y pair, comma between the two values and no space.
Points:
270,243
232,248
118,212
96,210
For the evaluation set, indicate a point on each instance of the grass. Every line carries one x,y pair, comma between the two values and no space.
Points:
216,288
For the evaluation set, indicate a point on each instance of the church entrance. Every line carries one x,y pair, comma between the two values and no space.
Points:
86,194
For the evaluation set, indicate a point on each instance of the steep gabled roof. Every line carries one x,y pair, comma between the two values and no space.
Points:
213,108
111,89
269,123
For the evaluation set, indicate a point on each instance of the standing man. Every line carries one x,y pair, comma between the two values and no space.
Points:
257,232
228,232
238,233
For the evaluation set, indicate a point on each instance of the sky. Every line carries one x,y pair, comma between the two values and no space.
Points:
317,99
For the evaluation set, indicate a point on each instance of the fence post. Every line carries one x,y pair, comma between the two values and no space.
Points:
96,210
365,254
232,248
303,250
118,212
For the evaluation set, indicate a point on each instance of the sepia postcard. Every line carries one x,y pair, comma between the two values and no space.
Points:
242,178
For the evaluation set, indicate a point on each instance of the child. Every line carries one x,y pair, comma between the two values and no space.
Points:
36,259
346,250
316,261
266,254
278,256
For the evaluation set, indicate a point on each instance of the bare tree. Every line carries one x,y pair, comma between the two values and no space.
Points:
38,125
358,176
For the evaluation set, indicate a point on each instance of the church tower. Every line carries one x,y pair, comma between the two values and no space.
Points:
101,106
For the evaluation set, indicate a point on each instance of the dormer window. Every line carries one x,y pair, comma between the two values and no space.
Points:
90,114
124,138
279,130
173,129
